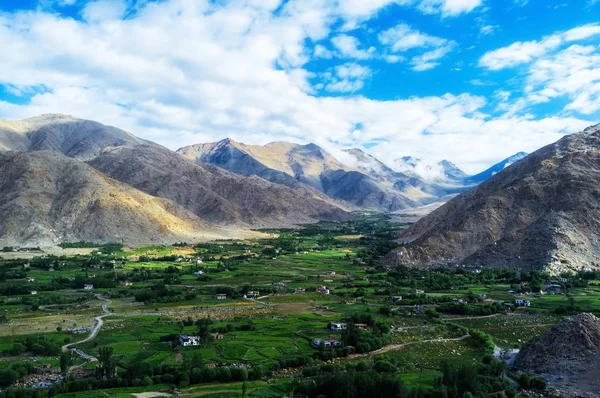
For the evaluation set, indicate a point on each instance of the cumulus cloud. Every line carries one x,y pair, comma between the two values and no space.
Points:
449,8
563,65
348,47
346,78
524,52
403,37
182,72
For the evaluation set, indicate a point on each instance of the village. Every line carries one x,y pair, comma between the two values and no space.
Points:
269,307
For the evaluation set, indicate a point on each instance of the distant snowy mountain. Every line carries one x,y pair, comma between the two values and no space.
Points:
498,167
447,172
440,172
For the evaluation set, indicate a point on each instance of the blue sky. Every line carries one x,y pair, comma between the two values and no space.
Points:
472,81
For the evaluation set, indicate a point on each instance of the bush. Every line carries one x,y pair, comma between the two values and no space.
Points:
537,383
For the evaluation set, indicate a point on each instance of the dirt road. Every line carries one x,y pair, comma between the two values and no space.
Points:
99,322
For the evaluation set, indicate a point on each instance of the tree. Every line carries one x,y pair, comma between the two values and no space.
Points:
184,380
244,388
108,366
66,360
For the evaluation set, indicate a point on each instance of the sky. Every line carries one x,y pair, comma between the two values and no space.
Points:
471,81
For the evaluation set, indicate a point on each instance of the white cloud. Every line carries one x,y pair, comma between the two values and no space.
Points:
449,8
402,37
556,68
182,72
348,46
346,78
321,51
524,52
102,10
430,59
488,29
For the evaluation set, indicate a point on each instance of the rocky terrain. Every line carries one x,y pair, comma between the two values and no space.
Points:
567,356
135,191
361,181
47,198
542,211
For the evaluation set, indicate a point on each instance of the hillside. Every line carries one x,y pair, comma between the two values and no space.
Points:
213,193
365,182
566,356
46,198
76,138
213,196
540,212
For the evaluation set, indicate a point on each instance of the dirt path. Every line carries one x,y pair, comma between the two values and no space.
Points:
472,317
396,347
99,322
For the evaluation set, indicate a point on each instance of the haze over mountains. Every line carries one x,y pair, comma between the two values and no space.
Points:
542,211
65,178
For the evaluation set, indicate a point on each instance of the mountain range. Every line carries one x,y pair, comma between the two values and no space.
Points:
541,212
67,179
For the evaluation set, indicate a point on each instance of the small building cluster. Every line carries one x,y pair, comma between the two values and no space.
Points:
252,294
328,342
189,340
88,286
299,290
322,289
337,326
221,296
522,303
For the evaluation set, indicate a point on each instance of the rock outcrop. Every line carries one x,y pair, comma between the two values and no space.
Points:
542,211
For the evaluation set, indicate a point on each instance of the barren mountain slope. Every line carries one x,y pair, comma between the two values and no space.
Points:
542,211
297,165
76,138
212,193
567,356
46,198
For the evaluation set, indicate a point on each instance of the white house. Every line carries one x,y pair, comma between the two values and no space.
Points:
198,273
337,327
221,296
88,287
189,340
523,303
253,294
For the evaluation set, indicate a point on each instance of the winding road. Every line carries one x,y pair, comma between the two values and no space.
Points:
98,323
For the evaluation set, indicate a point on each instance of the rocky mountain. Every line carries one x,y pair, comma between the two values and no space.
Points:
307,166
484,175
446,173
542,212
567,356
212,193
76,138
208,196
46,198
